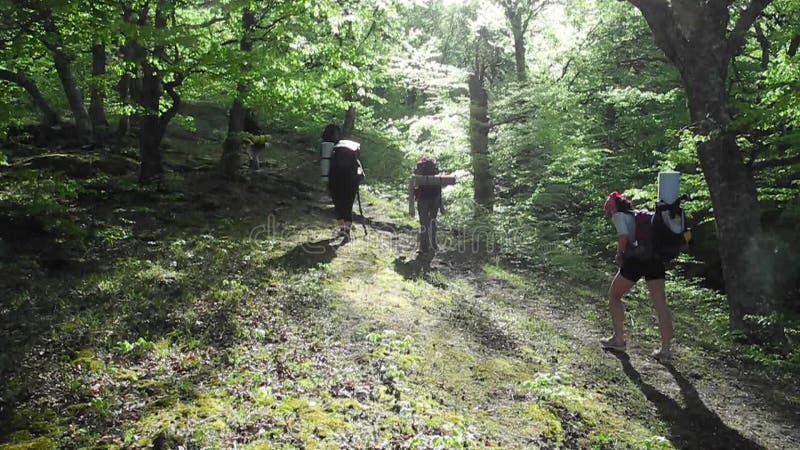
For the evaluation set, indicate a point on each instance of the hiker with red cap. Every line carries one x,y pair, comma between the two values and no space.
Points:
636,259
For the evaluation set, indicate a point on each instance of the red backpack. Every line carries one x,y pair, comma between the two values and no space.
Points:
644,225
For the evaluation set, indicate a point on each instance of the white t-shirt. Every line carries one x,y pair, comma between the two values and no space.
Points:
625,225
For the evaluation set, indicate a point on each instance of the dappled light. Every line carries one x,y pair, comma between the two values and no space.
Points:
399,224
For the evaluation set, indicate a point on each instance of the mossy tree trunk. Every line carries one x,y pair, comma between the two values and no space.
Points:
232,150
479,145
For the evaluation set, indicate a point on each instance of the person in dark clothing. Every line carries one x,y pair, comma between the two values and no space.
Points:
346,174
428,208
429,203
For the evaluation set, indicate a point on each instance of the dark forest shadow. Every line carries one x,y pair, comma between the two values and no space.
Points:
692,425
309,255
415,268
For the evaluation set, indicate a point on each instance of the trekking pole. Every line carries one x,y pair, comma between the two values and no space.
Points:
361,211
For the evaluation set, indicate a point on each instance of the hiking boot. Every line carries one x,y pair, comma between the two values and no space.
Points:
613,343
664,356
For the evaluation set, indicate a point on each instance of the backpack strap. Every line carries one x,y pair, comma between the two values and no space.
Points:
673,208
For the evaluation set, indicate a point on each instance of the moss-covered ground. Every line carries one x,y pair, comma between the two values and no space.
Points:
210,314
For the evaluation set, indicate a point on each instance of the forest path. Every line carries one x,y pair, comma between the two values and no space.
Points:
213,314
697,402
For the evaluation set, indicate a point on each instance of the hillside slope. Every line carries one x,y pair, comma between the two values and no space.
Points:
210,314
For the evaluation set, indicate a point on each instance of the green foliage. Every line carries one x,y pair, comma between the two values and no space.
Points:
45,197
136,349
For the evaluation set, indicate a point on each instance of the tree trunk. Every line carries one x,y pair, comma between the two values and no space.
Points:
519,50
154,123
63,63
232,151
97,110
50,117
479,146
349,122
152,131
74,97
744,253
132,53
695,37
124,91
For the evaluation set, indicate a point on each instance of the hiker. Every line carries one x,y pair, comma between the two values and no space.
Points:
344,178
429,203
635,260
330,136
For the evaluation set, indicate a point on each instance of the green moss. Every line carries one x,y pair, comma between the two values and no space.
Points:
24,441
87,360
205,416
264,396
496,369
544,423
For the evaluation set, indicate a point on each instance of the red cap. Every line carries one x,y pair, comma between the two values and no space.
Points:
611,203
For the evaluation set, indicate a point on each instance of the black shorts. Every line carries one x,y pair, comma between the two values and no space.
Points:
634,269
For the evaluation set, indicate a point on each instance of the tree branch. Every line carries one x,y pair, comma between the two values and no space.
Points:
586,40
765,46
794,45
51,117
778,162
666,32
176,99
738,36
534,11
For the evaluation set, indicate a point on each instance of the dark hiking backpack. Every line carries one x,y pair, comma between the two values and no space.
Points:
345,163
669,229
663,233
427,166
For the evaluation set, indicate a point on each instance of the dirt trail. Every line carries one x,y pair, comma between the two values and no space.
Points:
223,315
700,402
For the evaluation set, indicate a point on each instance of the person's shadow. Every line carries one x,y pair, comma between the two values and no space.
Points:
415,268
309,255
692,425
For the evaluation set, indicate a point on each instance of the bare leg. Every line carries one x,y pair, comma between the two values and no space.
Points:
659,297
619,287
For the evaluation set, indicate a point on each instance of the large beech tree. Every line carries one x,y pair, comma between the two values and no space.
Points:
697,37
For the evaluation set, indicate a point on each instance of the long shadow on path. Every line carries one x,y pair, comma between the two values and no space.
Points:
309,255
692,425
415,268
